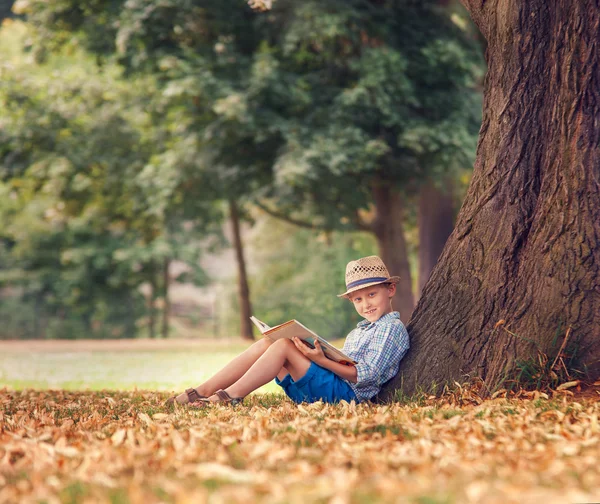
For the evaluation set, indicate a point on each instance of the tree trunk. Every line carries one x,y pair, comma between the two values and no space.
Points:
436,221
131,320
243,289
388,229
6,10
37,326
522,264
152,302
166,302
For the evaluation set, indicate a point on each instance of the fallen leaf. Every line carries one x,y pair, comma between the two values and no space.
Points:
118,437
146,419
568,385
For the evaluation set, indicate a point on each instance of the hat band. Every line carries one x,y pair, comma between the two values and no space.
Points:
364,281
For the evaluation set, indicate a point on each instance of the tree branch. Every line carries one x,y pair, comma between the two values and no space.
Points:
478,10
292,220
361,223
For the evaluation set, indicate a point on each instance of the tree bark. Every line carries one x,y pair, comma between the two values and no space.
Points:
166,301
152,301
389,231
243,289
435,221
37,310
524,255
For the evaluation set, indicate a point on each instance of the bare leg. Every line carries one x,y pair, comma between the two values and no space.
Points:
282,373
232,371
281,354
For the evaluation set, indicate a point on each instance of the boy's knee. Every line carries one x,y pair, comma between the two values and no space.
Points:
263,343
283,344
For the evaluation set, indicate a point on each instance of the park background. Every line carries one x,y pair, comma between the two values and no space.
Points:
159,185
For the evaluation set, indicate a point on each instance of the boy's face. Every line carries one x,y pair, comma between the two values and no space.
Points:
373,302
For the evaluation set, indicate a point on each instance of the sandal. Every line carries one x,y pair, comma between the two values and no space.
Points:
224,398
193,396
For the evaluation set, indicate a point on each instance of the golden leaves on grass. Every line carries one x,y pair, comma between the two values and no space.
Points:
101,447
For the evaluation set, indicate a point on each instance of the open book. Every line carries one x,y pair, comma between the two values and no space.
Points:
293,328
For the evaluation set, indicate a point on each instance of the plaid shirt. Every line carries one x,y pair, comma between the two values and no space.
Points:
378,348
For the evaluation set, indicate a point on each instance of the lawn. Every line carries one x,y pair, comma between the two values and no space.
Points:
171,365
124,447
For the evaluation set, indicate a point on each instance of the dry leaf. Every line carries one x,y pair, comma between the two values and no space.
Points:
146,419
518,447
567,385
118,437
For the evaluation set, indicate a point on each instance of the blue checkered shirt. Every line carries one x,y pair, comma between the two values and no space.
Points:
378,348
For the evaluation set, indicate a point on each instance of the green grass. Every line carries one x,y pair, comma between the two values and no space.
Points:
164,370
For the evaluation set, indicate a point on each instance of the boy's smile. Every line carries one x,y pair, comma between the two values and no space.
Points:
373,302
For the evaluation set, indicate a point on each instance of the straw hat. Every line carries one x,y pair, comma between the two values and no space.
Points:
365,272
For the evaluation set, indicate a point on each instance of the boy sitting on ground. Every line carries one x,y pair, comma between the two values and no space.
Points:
377,344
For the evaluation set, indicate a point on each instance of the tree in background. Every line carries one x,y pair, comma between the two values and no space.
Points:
371,100
515,291
87,219
441,196
6,9
58,258
323,112
298,274
436,208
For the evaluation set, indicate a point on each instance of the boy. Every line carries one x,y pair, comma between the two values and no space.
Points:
378,344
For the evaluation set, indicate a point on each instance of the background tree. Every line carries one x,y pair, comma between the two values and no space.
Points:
6,9
298,274
370,99
435,223
332,108
95,201
517,278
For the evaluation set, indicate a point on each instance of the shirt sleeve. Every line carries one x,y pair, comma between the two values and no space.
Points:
386,348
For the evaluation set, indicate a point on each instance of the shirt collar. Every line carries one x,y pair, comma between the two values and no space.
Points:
388,317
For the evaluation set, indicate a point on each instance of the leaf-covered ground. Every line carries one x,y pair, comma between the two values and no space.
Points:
58,446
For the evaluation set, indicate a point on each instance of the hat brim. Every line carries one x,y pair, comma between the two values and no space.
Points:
393,279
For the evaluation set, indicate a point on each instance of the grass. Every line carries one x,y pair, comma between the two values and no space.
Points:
75,368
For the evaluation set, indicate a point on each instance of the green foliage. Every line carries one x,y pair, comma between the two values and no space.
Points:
298,274
389,96
88,216
309,104
118,163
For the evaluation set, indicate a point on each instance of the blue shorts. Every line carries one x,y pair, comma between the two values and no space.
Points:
317,384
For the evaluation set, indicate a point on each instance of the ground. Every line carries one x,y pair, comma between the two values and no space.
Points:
124,446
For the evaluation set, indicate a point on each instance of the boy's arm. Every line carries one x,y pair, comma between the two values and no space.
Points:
318,357
343,371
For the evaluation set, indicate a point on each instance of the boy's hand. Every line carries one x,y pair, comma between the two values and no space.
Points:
314,354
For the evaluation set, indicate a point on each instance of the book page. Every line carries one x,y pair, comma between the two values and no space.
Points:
262,327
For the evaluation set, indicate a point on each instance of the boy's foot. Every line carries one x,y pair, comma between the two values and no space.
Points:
219,397
191,395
